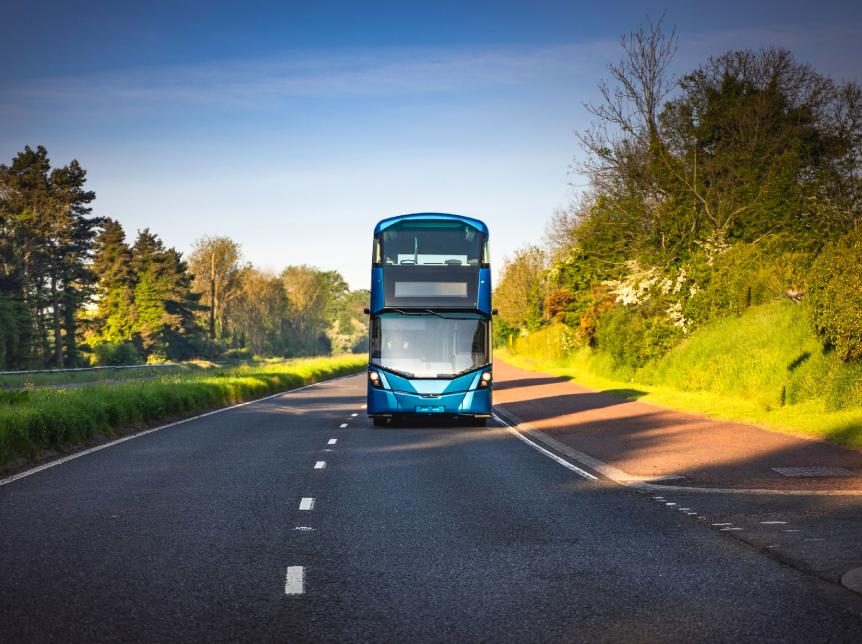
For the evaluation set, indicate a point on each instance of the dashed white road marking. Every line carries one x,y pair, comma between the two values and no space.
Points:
342,425
307,503
294,583
773,522
725,529
790,530
721,524
332,441
354,415
319,465
670,503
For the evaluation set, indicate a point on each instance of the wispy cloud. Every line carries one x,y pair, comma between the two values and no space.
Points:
368,73
396,72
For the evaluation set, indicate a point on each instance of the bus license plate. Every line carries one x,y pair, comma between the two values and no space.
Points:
430,409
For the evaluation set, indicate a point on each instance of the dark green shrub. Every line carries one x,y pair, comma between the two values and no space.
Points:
116,354
238,354
14,397
634,336
834,297
743,276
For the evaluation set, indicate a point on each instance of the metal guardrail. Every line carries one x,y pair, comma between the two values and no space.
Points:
82,369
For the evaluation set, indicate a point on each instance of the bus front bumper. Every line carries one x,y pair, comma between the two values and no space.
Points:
466,403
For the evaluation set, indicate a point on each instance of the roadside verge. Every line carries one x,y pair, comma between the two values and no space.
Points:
49,422
652,448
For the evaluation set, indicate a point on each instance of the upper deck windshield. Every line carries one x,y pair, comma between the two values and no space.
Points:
430,243
429,345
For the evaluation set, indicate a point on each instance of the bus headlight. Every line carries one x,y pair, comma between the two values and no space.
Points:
485,380
374,379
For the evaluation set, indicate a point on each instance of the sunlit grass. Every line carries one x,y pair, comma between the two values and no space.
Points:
60,418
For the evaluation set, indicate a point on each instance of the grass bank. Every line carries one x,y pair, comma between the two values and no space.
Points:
59,419
765,368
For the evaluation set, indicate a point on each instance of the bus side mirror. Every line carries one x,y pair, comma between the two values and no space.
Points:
493,311
367,311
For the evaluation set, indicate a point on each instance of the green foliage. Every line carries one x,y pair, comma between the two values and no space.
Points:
521,291
744,275
46,236
237,355
635,336
551,343
59,418
502,332
835,296
14,397
115,354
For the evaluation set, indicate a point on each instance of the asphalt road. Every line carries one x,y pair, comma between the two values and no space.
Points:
428,533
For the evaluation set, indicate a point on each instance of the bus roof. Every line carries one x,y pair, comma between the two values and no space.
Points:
430,216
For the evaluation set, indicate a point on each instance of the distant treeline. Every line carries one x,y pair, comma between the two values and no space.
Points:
74,291
735,185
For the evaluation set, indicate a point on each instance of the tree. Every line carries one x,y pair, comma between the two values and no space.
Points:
312,301
166,324
47,237
257,313
520,292
217,268
115,289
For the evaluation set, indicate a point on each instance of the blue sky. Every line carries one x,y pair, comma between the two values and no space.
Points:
294,127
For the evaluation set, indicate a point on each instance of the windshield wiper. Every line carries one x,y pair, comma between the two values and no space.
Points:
419,312
430,312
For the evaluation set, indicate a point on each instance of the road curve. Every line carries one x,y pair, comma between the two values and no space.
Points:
293,519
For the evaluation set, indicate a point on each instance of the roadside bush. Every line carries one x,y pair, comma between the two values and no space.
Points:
14,397
551,343
238,354
834,297
115,354
743,276
634,336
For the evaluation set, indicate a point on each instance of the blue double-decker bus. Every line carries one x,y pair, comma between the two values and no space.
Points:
430,330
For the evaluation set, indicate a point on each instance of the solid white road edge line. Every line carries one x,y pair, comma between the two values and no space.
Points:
539,448
307,503
638,483
71,457
294,582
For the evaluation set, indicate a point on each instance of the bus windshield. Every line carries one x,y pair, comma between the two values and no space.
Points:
430,243
429,345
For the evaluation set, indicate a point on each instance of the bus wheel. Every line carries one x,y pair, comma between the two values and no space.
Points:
478,422
380,421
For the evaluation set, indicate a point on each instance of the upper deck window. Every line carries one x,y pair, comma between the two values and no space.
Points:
430,243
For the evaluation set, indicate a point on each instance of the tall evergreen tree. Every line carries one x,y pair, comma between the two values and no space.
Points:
165,306
112,262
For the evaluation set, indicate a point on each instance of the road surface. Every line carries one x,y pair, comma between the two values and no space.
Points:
293,519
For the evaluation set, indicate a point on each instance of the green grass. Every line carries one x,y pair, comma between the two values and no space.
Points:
62,418
47,378
765,368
